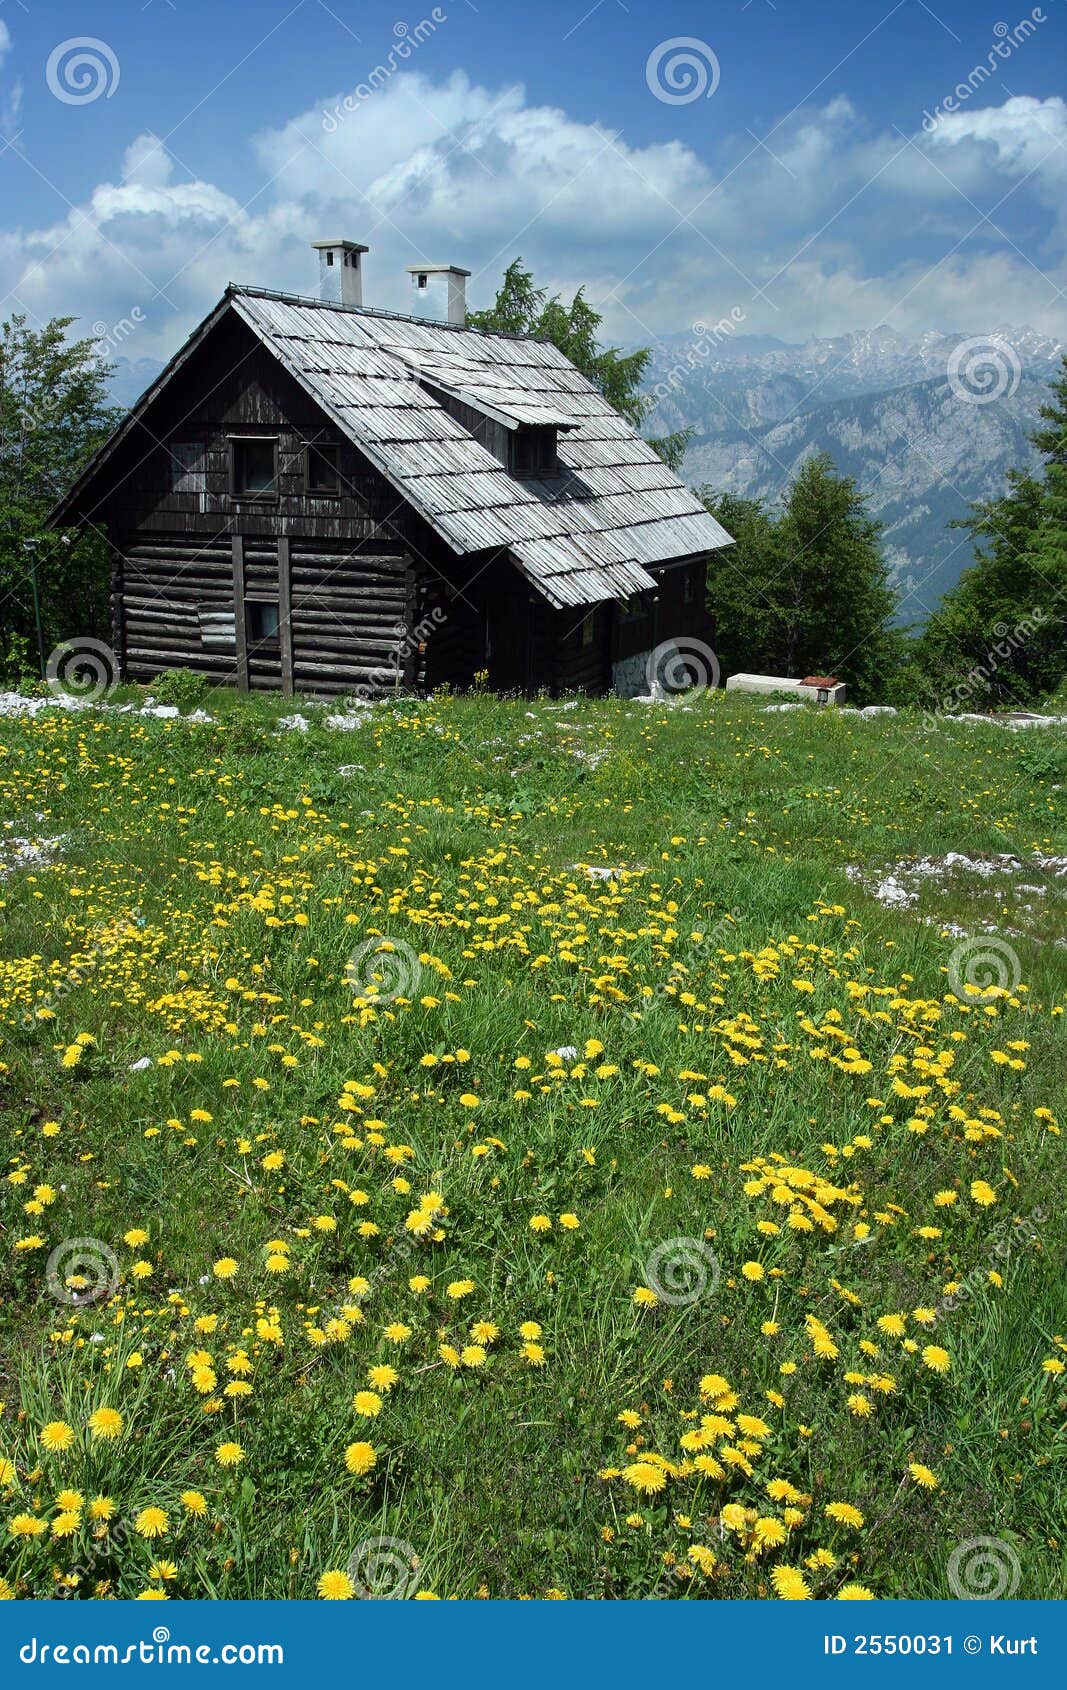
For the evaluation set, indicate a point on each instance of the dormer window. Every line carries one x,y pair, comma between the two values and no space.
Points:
533,450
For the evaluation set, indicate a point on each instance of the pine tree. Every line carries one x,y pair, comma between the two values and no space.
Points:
805,591
53,414
999,635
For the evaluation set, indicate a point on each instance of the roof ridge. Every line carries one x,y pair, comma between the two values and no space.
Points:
256,292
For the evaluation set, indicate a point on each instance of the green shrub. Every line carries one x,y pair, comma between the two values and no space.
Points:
181,687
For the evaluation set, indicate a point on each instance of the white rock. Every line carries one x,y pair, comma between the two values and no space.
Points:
140,1065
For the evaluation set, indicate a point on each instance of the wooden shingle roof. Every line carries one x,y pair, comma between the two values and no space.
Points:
591,533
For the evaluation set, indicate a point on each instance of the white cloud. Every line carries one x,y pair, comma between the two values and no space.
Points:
1022,135
10,98
829,227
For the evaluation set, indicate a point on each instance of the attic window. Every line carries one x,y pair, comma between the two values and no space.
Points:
253,468
187,467
533,450
322,473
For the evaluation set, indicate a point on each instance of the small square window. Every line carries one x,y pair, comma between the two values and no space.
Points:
254,469
261,620
322,472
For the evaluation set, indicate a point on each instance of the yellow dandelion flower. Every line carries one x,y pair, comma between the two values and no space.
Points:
844,1513
335,1586
57,1436
105,1423
936,1359
923,1476
151,1523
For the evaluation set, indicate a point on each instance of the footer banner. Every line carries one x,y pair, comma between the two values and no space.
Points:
536,1643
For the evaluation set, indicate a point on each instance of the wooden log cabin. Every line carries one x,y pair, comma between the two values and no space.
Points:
321,498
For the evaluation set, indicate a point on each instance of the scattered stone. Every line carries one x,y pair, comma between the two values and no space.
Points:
140,1065
18,853
899,887
345,723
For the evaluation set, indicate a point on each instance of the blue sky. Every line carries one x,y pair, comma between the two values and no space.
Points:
810,166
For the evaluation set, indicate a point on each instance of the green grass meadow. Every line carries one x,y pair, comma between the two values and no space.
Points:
531,1087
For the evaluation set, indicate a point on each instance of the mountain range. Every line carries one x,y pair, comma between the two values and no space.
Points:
925,426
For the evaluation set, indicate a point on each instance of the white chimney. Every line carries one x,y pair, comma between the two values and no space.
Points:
440,292
340,271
